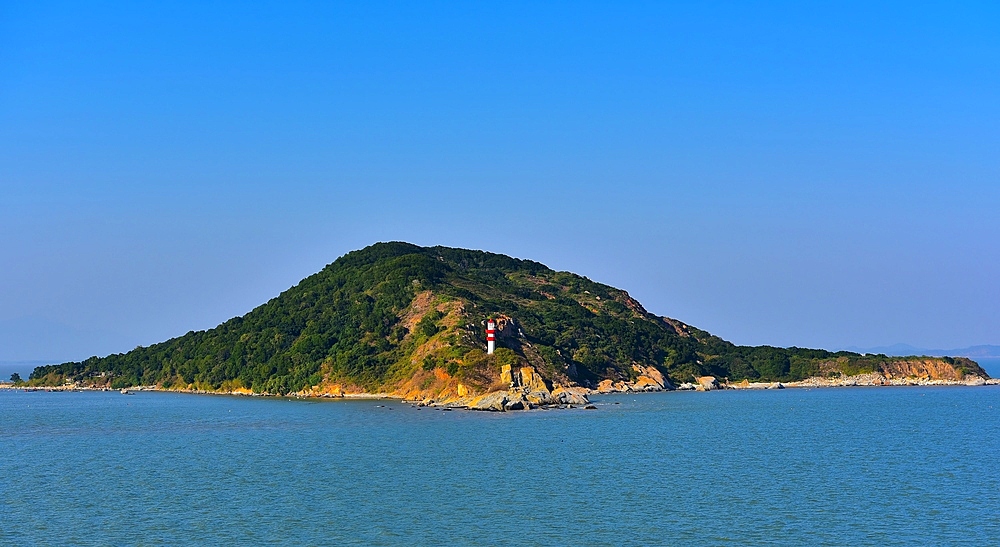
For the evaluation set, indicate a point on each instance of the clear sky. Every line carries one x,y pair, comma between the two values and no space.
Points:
785,173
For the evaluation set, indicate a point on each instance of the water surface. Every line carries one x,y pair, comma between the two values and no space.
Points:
990,364
847,466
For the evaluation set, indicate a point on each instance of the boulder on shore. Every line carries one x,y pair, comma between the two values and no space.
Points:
650,379
494,401
539,398
516,404
571,396
707,383
606,386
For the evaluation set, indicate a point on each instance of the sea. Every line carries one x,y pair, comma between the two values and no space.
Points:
833,466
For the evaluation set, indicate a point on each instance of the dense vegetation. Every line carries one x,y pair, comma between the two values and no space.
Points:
347,323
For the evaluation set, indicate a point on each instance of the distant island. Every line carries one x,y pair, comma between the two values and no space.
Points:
983,351
396,319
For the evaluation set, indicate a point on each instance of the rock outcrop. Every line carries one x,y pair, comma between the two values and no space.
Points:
506,377
929,369
571,396
527,390
707,383
650,379
496,401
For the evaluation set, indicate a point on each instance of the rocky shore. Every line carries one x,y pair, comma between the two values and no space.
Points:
528,390
76,387
863,380
880,380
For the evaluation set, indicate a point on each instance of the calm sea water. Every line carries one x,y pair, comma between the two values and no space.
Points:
852,466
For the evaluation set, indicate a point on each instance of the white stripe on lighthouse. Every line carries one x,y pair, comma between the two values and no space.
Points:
491,337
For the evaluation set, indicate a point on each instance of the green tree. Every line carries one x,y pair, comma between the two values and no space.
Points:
428,325
16,378
505,356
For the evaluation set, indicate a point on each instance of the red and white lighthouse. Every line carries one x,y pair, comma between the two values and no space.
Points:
491,336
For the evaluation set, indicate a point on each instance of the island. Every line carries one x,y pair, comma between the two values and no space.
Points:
400,320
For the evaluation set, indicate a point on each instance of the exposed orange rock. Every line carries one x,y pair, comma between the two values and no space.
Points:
650,379
707,383
531,380
506,377
922,368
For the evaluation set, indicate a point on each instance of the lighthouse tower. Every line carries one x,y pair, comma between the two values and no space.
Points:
491,336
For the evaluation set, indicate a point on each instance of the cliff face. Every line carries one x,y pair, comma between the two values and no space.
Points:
950,369
933,369
399,319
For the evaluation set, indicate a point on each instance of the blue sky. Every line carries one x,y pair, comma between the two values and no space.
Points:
785,173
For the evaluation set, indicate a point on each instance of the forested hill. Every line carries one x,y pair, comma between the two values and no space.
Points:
395,317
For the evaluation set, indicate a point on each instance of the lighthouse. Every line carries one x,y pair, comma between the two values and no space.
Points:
491,336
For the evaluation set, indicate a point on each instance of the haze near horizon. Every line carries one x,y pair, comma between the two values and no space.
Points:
817,176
